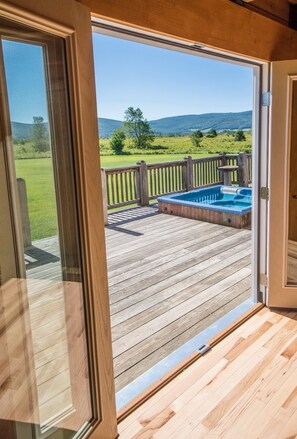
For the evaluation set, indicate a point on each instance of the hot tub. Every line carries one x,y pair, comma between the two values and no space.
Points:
226,205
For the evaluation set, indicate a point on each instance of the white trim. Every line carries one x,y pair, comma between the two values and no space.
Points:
261,180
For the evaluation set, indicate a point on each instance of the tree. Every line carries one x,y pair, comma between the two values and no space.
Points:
212,133
239,136
117,141
138,128
196,137
40,136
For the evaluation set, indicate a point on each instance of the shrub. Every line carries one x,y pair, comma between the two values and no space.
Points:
196,137
212,133
117,141
239,136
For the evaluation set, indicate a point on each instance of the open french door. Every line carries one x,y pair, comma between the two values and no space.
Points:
282,260
55,343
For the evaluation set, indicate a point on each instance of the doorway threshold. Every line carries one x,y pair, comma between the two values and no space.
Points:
136,392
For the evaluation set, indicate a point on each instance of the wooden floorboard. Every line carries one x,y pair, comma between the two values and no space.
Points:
169,278
244,388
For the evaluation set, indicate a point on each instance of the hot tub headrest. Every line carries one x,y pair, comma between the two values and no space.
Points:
229,190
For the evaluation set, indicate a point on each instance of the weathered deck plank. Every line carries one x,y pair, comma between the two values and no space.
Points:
169,278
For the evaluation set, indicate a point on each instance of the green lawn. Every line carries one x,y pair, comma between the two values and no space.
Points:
183,145
37,172
114,161
38,176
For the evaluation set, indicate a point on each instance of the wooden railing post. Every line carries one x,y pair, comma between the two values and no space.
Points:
24,212
242,172
223,159
104,196
143,183
188,174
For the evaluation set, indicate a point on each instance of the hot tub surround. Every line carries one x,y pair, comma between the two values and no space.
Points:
225,205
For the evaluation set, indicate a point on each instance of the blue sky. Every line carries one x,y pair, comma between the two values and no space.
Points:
161,82
25,79
164,82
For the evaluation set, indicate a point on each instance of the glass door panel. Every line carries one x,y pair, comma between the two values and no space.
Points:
42,286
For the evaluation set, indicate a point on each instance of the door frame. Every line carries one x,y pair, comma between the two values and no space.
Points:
260,124
70,20
281,293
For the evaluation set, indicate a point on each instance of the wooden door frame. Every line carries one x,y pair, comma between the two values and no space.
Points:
281,294
260,122
71,21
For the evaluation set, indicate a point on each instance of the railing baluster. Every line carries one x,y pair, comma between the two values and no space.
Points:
125,186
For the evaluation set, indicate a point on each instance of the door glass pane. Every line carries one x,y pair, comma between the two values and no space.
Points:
46,295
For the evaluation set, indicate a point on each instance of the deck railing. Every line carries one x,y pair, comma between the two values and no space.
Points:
143,182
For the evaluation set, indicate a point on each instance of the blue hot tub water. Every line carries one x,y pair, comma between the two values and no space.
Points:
220,198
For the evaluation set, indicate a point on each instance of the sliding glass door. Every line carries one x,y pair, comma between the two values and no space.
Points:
51,384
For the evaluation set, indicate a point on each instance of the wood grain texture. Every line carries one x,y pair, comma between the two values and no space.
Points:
71,20
222,395
215,23
169,278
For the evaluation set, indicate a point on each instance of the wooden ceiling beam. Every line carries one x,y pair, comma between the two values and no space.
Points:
277,10
215,23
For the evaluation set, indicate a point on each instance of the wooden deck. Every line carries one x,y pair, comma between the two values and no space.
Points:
169,278
245,387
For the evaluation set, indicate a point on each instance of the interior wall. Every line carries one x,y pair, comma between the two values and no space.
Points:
215,23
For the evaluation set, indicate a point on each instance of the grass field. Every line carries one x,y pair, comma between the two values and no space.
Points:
38,174
183,145
114,161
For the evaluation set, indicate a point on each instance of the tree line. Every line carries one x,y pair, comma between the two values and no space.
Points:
138,130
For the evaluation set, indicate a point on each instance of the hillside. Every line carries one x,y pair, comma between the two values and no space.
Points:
21,130
178,125
203,122
185,124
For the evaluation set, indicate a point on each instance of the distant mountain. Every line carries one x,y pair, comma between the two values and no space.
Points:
107,126
203,122
186,124
21,130
166,126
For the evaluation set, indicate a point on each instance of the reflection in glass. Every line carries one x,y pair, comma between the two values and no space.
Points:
292,214
47,305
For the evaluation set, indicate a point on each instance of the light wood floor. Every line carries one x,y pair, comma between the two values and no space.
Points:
246,387
169,279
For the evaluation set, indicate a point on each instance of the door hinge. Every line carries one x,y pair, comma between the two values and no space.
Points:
264,193
266,99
